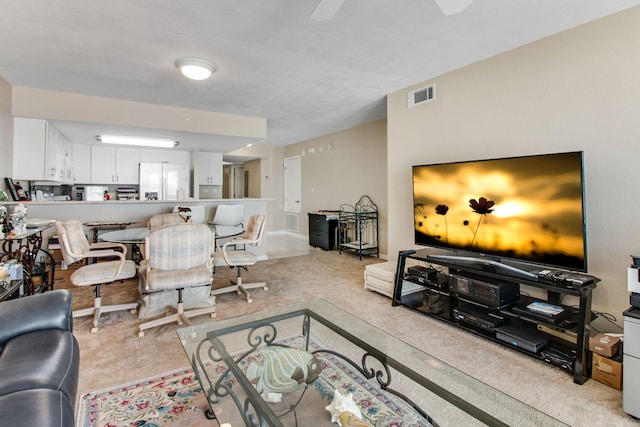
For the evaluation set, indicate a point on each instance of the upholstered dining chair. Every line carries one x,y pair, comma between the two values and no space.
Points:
75,247
161,220
177,257
227,222
241,259
194,212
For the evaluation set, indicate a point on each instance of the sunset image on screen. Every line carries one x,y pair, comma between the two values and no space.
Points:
527,208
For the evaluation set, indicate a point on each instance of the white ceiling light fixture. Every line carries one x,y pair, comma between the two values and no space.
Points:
196,68
139,141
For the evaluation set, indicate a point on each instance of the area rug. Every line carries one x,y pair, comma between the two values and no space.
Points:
176,399
170,399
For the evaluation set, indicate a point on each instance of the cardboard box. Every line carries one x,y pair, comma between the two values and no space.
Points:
604,345
607,371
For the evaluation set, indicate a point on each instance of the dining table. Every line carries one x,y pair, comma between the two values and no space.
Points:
133,236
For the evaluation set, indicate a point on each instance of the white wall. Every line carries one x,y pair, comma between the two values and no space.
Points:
6,133
577,90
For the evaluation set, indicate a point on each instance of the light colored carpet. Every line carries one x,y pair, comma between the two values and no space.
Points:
115,354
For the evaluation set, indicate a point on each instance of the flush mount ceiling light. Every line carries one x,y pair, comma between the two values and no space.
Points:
195,68
134,140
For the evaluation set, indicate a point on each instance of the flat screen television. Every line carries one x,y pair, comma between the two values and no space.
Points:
528,209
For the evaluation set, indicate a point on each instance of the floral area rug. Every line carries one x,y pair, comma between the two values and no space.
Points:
170,399
176,399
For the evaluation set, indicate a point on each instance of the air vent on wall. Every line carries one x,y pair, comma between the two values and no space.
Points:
292,222
422,95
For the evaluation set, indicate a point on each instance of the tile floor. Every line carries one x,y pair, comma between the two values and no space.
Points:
281,244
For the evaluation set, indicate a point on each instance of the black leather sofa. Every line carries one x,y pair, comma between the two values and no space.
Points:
39,361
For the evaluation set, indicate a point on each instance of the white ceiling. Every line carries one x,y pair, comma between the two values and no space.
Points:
307,78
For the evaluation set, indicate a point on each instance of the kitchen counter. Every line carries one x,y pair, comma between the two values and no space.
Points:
136,211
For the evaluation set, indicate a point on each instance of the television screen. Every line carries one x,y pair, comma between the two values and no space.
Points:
528,209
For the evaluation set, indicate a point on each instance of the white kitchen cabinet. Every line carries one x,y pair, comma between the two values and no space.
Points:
114,165
164,156
53,155
38,150
209,168
29,137
81,163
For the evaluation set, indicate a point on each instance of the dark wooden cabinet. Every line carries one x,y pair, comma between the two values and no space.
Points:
322,231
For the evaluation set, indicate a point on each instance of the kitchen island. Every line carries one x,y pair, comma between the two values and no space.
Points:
137,212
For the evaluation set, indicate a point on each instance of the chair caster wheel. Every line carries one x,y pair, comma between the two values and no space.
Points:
140,334
213,315
133,311
266,288
94,330
249,300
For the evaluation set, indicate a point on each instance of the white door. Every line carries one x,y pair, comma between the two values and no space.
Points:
237,182
293,184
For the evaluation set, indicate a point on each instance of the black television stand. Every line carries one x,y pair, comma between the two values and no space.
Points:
483,296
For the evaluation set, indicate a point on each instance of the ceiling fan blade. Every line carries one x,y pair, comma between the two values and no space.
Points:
326,9
451,7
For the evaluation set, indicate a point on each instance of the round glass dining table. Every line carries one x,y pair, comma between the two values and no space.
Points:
131,236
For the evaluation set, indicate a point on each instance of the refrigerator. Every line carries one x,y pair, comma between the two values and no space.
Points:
163,181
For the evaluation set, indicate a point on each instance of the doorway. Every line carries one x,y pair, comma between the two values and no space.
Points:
237,189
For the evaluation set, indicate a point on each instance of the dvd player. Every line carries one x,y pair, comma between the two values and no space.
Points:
559,355
426,273
480,317
526,338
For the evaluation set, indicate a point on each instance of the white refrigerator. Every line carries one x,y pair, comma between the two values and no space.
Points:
163,181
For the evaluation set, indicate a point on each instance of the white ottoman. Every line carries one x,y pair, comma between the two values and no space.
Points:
380,277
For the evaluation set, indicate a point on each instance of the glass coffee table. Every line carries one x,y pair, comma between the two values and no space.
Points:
250,376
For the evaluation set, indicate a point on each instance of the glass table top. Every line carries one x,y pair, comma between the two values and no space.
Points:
127,235
371,367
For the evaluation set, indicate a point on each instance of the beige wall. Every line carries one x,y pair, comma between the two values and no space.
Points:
53,105
6,134
354,166
271,183
577,90
252,171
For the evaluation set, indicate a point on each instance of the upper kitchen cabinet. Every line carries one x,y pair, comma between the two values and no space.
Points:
114,165
39,151
164,156
82,163
209,168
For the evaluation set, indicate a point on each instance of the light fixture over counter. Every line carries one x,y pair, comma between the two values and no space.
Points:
196,68
139,141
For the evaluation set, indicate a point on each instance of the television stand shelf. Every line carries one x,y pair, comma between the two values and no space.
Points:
487,301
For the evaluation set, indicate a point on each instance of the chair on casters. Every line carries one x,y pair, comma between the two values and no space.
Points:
177,257
161,220
75,247
241,259
227,222
193,212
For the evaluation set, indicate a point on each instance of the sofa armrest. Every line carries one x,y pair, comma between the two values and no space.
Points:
49,310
